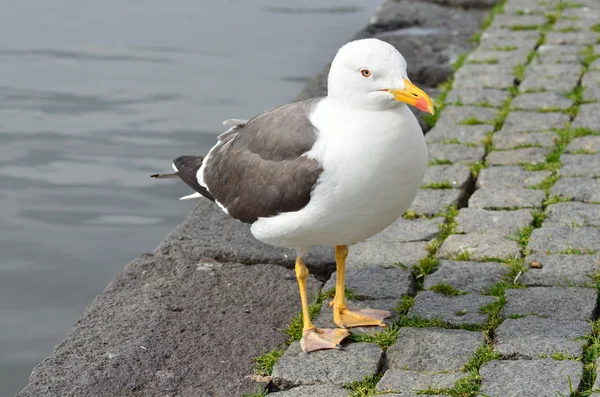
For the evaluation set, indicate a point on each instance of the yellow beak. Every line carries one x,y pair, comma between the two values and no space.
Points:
412,95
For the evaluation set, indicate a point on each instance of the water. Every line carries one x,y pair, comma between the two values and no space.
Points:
95,97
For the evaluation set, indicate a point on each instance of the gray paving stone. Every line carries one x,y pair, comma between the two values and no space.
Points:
573,214
588,117
508,20
476,220
496,33
375,253
410,230
506,198
467,276
591,79
325,317
426,349
534,337
560,303
479,246
561,38
484,76
335,367
457,175
529,155
455,153
453,310
539,378
579,188
561,270
434,201
500,44
510,141
580,165
561,78
541,101
376,283
483,96
550,58
510,176
589,143
558,239
461,133
561,49
592,93
522,121
560,53
454,115
404,381
313,391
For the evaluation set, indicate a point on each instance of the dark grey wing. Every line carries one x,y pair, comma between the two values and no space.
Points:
258,170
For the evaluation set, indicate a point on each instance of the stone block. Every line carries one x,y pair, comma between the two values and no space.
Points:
457,176
573,214
510,141
578,188
580,165
559,239
455,115
479,246
588,117
455,153
473,134
589,144
592,93
529,155
426,349
376,283
374,253
506,198
562,38
454,310
484,76
539,378
476,220
534,337
434,201
476,277
523,121
510,176
335,367
561,270
313,391
558,78
502,44
483,96
410,230
559,303
545,101
403,381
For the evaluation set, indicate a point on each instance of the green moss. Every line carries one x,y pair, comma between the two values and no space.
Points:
538,218
546,183
519,72
471,121
439,162
459,61
405,304
568,29
330,293
591,352
483,354
555,200
384,338
462,255
489,61
498,9
596,28
410,214
583,151
506,48
424,267
577,251
446,289
524,27
364,388
438,185
521,237
263,364
476,168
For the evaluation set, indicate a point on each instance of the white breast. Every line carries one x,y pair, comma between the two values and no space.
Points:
373,164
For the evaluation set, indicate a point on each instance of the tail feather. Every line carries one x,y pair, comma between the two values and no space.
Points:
186,168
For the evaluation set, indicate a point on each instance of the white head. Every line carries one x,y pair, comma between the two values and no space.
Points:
371,74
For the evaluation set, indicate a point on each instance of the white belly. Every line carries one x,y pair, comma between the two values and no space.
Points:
369,181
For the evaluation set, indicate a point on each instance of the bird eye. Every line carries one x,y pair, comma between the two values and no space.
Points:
365,72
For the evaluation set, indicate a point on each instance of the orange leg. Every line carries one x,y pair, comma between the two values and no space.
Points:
342,315
314,338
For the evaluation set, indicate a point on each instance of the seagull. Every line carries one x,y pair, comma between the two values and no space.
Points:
331,171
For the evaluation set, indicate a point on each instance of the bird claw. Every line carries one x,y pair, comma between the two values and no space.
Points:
347,318
322,338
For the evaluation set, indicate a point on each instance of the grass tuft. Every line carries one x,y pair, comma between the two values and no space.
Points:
260,392
384,338
263,364
438,185
294,329
439,162
446,289
364,388
471,121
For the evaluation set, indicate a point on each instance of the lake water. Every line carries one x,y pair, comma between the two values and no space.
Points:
95,97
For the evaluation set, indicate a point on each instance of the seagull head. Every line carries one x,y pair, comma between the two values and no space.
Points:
371,74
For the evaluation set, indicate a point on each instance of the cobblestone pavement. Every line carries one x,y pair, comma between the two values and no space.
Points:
494,271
